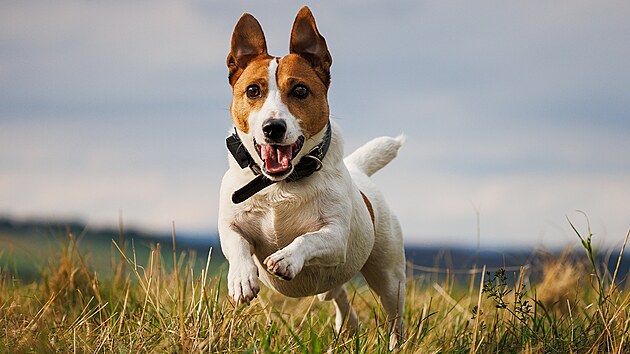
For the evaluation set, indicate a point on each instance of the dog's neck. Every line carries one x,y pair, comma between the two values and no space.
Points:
309,164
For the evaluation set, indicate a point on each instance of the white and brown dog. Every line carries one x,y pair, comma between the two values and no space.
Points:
293,213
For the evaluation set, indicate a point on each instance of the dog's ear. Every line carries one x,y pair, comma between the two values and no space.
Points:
310,45
248,43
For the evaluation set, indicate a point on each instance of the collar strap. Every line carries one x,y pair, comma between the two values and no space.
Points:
309,164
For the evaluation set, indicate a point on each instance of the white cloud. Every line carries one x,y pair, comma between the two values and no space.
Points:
525,209
153,169
78,53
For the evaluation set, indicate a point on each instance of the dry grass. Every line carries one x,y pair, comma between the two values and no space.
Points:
560,285
148,307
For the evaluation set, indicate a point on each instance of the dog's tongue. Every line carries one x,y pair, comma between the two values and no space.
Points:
276,157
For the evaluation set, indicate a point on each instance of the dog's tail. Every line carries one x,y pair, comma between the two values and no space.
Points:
375,154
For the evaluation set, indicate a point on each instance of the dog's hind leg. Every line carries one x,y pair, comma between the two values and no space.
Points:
344,313
390,288
385,274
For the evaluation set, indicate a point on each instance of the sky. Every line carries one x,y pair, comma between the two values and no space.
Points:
517,114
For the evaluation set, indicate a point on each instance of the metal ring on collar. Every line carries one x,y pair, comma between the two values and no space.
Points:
319,162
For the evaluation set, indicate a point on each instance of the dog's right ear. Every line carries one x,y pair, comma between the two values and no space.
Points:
248,43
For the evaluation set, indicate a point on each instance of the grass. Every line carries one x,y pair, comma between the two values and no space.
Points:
171,303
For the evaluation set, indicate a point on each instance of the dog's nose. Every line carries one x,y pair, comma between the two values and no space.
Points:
274,129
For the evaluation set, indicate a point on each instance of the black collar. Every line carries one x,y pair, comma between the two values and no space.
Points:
309,164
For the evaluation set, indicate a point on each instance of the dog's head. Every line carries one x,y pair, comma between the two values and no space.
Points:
279,105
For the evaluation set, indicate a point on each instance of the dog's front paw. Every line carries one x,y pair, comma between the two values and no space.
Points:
243,283
284,264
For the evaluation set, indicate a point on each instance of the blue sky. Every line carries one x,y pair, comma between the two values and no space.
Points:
517,112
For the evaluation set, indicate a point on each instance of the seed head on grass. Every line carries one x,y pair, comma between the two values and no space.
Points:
560,282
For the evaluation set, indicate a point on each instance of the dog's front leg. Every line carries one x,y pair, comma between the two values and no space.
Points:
242,274
326,246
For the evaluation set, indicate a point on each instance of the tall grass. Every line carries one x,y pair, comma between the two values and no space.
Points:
150,305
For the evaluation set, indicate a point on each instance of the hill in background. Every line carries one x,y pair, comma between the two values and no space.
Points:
26,246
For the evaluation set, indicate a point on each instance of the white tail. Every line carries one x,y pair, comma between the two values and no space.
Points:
375,154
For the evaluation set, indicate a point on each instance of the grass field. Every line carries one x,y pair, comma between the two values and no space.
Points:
145,304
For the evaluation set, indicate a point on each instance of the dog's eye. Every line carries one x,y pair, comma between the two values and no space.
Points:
253,91
300,91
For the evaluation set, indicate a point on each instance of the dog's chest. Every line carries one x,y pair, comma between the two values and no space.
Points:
272,227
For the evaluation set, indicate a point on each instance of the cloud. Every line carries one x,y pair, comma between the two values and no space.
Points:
522,209
93,169
71,56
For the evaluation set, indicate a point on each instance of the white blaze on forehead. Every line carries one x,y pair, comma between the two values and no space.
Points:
274,105
273,75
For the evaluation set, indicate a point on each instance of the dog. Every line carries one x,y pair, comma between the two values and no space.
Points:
293,212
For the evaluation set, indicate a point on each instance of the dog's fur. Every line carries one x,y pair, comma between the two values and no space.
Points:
313,235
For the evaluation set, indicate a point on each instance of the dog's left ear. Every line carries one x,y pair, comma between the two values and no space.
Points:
310,45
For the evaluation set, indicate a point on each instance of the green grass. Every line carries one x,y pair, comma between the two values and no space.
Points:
175,303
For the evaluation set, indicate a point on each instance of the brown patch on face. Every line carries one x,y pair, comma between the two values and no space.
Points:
311,111
256,73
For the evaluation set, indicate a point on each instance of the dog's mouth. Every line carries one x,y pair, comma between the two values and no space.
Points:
277,158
